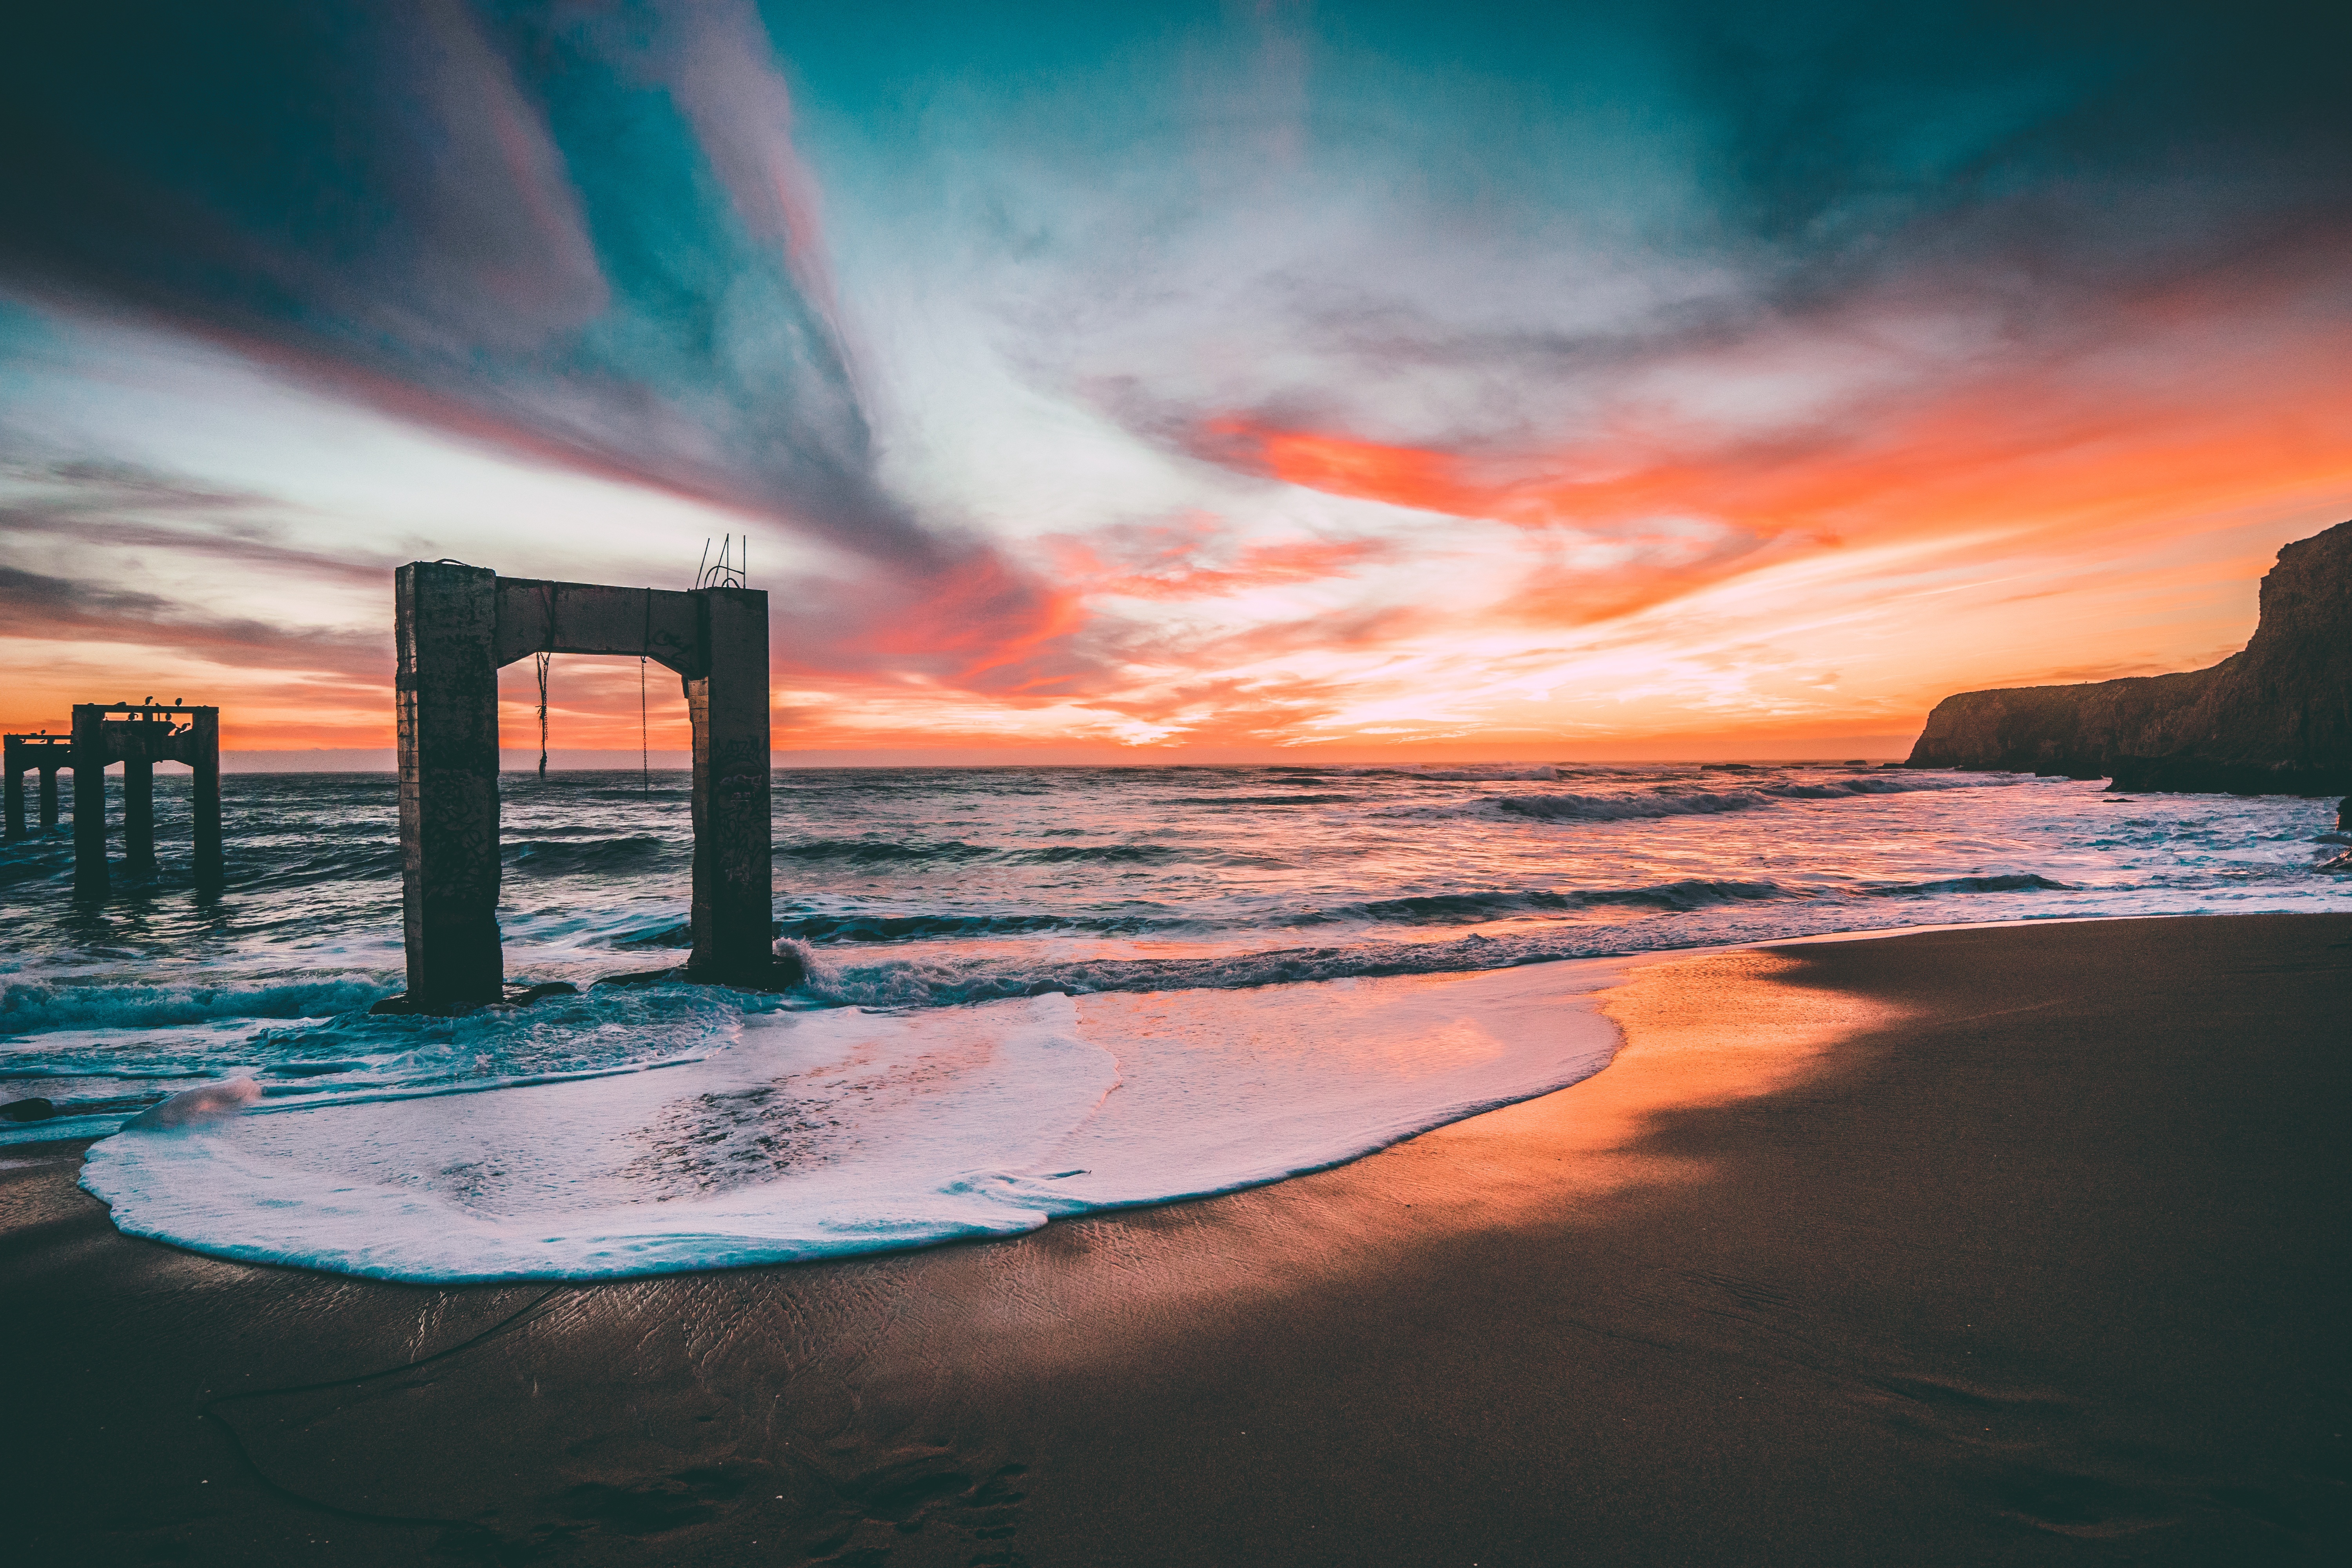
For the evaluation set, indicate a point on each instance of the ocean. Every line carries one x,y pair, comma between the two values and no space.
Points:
1031,992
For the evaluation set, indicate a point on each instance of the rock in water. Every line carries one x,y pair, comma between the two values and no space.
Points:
2274,720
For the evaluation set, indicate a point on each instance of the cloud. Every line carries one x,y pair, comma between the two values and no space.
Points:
118,505
613,262
40,607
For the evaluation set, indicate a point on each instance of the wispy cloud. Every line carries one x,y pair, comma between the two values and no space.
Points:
120,506
55,609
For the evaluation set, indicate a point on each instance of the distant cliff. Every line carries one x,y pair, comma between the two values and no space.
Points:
2274,720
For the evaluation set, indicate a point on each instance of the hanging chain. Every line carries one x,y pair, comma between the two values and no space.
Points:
543,660
645,746
546,656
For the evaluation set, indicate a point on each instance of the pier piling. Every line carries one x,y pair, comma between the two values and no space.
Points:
137,806
448,697
733,862
89,761
204,798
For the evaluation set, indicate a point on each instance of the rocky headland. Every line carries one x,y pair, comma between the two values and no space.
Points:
2275,718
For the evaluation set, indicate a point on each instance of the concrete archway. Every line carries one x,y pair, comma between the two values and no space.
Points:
455,626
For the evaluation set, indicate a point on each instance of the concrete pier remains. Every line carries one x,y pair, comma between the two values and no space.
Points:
138,736
455,626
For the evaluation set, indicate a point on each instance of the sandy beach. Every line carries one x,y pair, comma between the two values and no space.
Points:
2004,1245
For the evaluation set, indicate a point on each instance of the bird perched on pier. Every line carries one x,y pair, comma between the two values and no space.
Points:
147,702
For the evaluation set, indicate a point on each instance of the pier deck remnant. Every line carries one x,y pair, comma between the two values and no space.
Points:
455,626
138,736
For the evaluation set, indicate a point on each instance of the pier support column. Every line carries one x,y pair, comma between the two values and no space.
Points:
204,796
733,914
48,799
138,808
12,793
90,799
447,696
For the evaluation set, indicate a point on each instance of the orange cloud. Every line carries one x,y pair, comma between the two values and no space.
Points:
974,622
1163,563
1634,517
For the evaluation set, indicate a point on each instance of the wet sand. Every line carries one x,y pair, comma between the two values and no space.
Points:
2024,1245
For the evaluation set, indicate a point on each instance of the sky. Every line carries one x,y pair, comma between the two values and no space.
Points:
1254,381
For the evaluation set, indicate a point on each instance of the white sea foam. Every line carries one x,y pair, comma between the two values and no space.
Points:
205,1102
822,1134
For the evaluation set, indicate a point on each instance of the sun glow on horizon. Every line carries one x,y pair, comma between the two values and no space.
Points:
1239,409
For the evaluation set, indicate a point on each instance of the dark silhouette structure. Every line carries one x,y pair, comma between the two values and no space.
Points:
456,625
44,753
138,736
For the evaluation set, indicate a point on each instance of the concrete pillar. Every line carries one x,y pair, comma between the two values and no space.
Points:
48,799
204,795
446,684
138,804
733,912
12,793
90,799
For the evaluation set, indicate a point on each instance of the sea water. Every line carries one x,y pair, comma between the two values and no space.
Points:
1031,992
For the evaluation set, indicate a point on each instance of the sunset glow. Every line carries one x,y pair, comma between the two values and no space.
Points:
1239,410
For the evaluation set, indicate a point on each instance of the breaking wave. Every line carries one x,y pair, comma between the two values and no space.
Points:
552,856
1627,807
1672,802
1231,800
1449,909
33,1006
1496,772
868,851
933,980
1429,910
941,928
2022,882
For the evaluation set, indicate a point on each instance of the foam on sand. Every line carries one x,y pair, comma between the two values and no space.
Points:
822,1134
